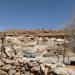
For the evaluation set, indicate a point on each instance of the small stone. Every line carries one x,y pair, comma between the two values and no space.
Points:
27,73
23,69
16,63
8,61
21,61
25,62
36,68
2,72
3,59
3,55
18,73
12,72
18,68
1,64
13,67
32,74
6,67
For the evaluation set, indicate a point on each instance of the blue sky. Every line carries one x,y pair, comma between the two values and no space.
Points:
35,14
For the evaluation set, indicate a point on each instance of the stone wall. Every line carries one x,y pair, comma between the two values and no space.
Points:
19,66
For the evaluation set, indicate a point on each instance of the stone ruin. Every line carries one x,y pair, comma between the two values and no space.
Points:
16,65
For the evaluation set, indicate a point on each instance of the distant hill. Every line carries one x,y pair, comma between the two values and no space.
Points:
39,33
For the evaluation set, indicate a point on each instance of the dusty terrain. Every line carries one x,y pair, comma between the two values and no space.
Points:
35,52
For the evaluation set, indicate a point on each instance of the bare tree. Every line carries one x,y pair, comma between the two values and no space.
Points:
3,49
71,30
12,46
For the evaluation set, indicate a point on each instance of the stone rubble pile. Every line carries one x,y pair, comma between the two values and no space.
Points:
19,66
16,65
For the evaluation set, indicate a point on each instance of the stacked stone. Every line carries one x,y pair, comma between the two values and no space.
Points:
18,66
